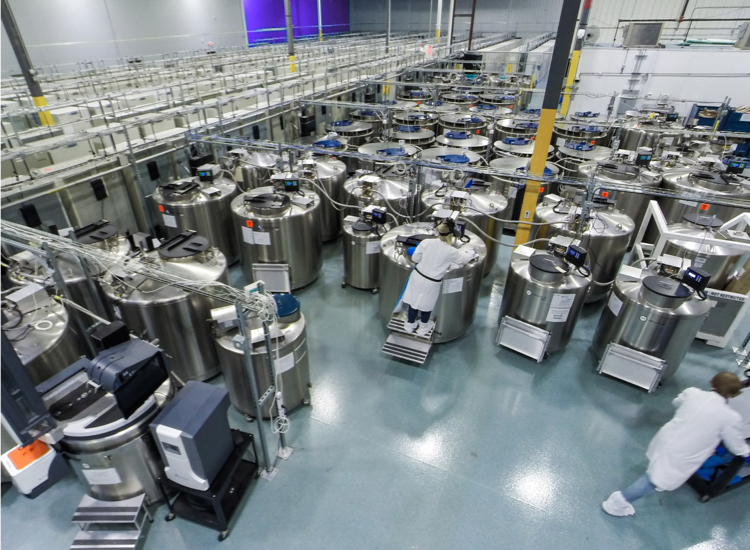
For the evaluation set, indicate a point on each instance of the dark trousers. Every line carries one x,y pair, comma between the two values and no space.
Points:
412,315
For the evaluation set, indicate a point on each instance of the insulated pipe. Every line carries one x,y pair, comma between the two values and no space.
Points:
437,23
563,41
452,12
27,69
388,35
575,57
290,35
320,23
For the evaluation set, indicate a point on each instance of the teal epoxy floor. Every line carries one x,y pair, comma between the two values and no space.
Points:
478,448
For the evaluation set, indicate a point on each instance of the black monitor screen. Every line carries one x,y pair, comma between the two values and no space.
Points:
291,185
736,167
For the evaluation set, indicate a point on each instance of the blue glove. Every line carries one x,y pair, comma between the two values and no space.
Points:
410,250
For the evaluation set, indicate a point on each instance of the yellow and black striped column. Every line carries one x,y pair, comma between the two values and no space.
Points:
573,69
290,36
19,48
565,31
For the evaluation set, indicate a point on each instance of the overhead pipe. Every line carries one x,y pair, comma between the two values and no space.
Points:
452,12
388,34
24,62
290,36
439,18
563,41
320,23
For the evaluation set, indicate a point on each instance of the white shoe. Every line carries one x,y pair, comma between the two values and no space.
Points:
616,505
409,328
425,328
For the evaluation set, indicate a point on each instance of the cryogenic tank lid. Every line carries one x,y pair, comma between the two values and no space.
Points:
416,93
528,125
586,114
486,107
286,304
619,167
95,232
419,116
454,159
328,143
533,111
368,112
703,221
434,103
392,152
516,141
457,135
342,123
470,119
666,287
408,129
582,146
359,225
184,245
179,189
548,263
468,97
268,201
585,129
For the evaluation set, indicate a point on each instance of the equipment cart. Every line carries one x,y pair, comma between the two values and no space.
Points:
216,506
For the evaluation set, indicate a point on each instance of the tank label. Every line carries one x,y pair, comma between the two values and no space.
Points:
451,286
102,476
118,313
285,363
726,295
247,235
560,308
615,304
262,238
512,192
372,247
689,203
169,221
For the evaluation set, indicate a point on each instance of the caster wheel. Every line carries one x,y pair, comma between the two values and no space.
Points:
169,517
374,290
249,418
151,520
306,402
705,498
343,285
223,535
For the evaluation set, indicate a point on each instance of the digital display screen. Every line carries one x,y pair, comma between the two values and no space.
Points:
378,217
671,117
643,160
291,185
171,448
575,255
736,167
696,278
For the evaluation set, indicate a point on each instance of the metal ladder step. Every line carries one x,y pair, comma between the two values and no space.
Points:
408,348
93,511
106,540
396,324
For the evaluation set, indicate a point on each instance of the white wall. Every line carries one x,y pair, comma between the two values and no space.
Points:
523,17
689,75
60,32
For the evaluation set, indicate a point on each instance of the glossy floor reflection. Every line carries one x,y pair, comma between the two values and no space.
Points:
478,448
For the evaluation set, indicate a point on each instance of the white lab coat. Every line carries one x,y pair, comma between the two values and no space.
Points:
433,258
703,420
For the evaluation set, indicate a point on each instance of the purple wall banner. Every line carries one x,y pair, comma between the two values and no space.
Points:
265,22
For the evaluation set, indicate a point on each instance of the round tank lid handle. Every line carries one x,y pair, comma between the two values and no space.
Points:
516,141
486,107
533,111
434,103
456,135
392,152
471,120
587,114
548,263
582,146
528,125
368,112
342,123
179,187
328,143
95,232
454,158
184,245
409,129
666,287
418,117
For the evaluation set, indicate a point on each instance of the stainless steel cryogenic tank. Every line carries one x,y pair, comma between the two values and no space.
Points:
462,122
362,253
566,132
201,206
605,234
649,133
490,110
703,183
370,189
719,261
618,172
463,140
291,360
517,127
413,135
456,161
657,316
518,147
357,132
415,118
257,169
276,227
513,185
330,174
499,99
481,207
546,292
39,331
114,458
177,318
391,149
370,116
456,306
572,154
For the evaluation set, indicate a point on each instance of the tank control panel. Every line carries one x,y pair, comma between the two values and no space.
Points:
643,159
575,255
696,278
736,166
209,172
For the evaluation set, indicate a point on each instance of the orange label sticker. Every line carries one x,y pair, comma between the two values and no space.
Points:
249,223
605,194
541,189
704,206
161,208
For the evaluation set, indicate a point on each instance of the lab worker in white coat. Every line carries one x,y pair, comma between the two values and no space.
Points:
703,420
433,258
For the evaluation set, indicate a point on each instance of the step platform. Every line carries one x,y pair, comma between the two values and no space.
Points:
109,525
410,347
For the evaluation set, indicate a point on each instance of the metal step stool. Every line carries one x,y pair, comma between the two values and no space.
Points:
106,524
407,346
